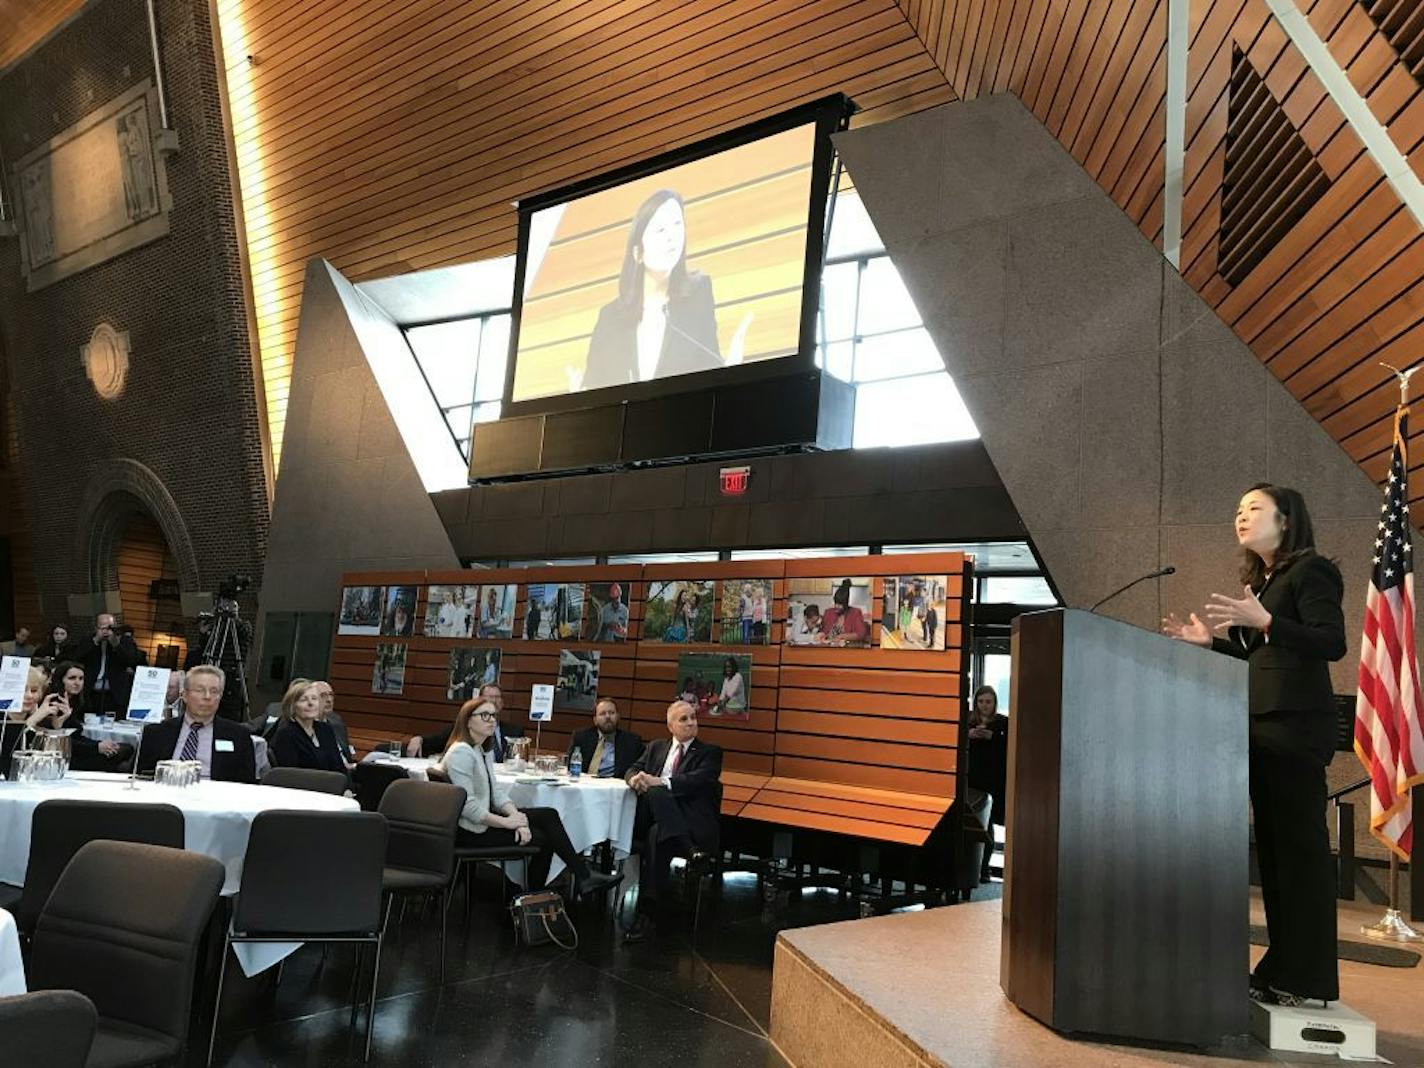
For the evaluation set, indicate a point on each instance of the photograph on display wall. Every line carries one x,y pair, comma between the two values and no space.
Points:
718,685
361,610
450,611
497,610
388,676
605,614
398,619
913,616
746,612
828,611
554,611
678,610
577,685
469,670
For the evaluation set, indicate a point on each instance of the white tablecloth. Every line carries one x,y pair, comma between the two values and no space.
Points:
12,967
593,810
118,731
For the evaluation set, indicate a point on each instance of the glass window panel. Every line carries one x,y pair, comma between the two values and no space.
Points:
988,555
798,554
447,353
998,670
838,359
884,302
494,355
852,232
459,420
487,413
905,352
910,411
663,558
838,282
1028,589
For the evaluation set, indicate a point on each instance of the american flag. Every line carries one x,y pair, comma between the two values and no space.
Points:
1388,736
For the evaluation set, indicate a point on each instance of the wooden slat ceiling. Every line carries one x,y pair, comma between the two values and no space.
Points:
24,23
1342,290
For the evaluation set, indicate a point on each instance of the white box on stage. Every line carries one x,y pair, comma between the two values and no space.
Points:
1338,1030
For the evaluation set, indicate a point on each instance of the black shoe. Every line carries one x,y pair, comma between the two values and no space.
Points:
596,882
1271,996
642,927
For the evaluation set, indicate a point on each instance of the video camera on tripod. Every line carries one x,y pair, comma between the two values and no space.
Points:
223,647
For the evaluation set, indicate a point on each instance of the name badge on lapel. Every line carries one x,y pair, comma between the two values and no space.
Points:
222,745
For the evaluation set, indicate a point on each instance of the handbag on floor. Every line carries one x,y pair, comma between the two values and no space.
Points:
540,917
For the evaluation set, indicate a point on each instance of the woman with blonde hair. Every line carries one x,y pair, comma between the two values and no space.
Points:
36,709
305,740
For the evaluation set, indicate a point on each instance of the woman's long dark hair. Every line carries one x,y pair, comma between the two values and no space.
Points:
1297,539
56,685
630,278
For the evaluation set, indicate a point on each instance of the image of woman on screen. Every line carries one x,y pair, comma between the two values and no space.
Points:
664,320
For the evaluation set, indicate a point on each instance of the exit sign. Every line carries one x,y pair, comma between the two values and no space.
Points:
734,480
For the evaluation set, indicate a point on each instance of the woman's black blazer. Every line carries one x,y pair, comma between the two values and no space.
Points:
689,343
291,748
1290,669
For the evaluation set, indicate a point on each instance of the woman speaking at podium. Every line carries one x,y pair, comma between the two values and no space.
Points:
1288,626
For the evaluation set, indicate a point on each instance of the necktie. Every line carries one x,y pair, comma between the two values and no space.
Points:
600,753
190,744
676,760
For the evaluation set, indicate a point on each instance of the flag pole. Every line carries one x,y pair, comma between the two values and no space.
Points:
1392,926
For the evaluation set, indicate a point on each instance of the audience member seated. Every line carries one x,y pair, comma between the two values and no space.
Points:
608,751
223,748
676,781
333,717
490,819
431,744
85,754
107,669
266,723
173,696
20,645
303,740
51,709
58,646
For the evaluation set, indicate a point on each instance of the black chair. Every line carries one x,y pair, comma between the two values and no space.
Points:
50,1027
318,782
420,852
371,781
60,827
312,877
466,857
123,927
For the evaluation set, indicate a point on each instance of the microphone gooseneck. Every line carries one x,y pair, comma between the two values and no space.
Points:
1161,572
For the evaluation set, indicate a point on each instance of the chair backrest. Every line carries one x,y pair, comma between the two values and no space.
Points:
422,817
371,782
49,1027
123,927
320,782
312,873
60,827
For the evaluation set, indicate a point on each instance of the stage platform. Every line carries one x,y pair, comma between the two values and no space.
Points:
920,989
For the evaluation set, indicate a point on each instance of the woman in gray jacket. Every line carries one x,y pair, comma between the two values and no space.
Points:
490,819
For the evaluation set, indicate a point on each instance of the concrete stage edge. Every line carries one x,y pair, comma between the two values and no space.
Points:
920,989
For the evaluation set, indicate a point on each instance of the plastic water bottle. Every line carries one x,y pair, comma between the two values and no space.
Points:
575,763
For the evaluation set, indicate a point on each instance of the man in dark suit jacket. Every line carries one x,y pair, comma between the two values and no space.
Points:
223,747
678,780
433,744
607,752
108,668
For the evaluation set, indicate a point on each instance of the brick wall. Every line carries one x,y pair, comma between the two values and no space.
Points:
185,440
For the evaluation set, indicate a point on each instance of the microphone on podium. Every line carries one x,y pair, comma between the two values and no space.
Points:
1161,572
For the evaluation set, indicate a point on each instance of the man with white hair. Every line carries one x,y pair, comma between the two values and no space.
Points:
222,747
678,781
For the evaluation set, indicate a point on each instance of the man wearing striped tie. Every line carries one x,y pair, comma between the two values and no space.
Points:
678,780
222,747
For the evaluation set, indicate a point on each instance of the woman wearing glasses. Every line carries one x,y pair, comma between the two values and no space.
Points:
490,819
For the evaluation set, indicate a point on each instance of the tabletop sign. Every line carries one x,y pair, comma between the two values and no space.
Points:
541,703
149,694
15,671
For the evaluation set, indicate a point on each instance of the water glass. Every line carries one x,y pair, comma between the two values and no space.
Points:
395,748
561,766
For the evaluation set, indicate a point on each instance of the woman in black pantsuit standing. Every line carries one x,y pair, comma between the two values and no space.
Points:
1287,626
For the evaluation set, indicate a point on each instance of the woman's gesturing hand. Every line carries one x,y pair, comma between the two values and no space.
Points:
1191,630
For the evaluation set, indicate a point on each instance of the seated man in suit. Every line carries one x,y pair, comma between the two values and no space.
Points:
223,747
432,745
677,780
608,752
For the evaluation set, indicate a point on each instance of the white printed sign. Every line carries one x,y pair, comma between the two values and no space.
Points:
149,693
541,703
14,671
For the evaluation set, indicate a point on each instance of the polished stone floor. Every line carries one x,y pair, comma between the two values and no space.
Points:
663,1002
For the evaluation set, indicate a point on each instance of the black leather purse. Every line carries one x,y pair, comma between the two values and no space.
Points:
540,917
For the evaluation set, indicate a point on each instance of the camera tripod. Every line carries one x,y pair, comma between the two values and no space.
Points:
226,636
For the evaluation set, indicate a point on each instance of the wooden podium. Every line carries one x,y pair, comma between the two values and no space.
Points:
1125,881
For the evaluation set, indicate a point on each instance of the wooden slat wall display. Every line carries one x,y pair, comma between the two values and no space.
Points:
143,556
862,741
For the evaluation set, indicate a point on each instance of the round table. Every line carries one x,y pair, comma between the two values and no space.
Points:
593,810
12,967
119,731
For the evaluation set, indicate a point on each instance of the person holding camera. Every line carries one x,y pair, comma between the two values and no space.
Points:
108,666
